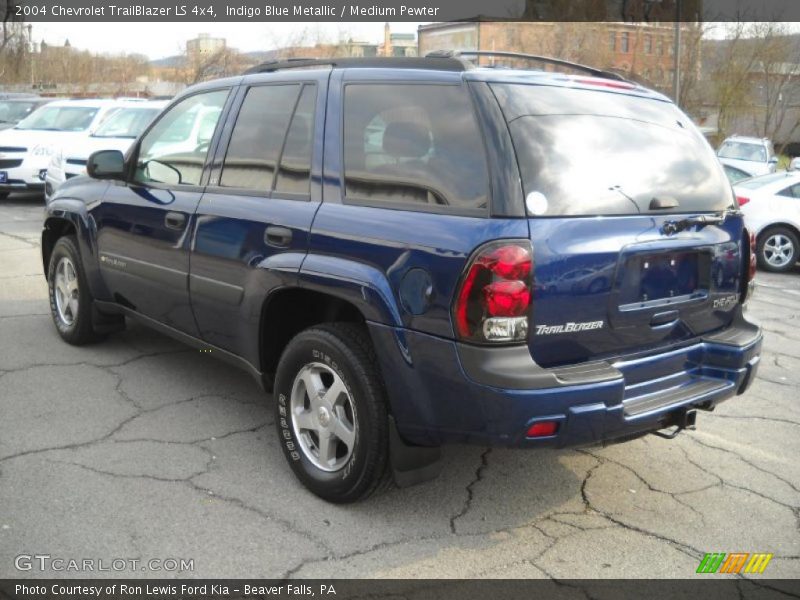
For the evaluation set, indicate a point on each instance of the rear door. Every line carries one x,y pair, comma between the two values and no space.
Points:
254,219
616,185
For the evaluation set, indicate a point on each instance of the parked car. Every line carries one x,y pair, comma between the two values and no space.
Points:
366,238
13,110
735,175
754,156
26,148
771,205
795,164
117,132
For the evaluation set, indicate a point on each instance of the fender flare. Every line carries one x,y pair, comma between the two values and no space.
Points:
75,213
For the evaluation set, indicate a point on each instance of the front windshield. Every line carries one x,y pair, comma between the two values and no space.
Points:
743,151
13,112
126,123
60,118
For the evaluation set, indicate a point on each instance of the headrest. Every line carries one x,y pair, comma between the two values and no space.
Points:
406,139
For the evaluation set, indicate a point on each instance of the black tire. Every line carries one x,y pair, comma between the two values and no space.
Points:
76,330
764,245
4,195
345,349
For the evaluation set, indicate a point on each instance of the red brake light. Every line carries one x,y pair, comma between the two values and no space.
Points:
742,200
618,85
507,298
495,294
543,429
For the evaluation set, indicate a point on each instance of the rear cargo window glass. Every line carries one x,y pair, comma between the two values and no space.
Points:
415,146
584,152
258,136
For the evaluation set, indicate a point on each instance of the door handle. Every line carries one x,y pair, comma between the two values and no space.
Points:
280,237
175,220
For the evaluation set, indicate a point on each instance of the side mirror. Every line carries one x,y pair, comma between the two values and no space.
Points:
106,164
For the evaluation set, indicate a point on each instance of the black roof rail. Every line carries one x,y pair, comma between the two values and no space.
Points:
443,63
535,57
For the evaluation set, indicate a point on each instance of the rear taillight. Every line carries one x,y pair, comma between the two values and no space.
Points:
742,200
748,284
494,298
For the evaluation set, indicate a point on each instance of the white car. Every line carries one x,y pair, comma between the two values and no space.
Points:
754,156
117,132
771,207
26,149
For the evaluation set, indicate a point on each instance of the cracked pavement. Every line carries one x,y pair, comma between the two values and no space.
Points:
140,447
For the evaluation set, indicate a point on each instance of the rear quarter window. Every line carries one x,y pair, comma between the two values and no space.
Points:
414,146
584,152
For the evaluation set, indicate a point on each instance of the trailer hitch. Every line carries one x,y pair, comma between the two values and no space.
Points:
680,419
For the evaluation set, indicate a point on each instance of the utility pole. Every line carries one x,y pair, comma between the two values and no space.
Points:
676,72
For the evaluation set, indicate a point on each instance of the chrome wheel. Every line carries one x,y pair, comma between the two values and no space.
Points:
323,417
778,250
65,288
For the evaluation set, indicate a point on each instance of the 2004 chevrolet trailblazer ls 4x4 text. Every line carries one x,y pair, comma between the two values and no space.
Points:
412,252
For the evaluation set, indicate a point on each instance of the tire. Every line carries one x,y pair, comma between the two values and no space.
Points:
335,356
4,195
70,299
778,249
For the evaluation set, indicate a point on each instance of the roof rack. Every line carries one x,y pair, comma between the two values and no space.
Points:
535,57
441,63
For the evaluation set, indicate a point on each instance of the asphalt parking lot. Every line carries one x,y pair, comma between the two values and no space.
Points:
140,448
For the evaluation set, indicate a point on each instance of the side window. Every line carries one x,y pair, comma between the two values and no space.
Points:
258,137
294,172
792,191
413,145
174,150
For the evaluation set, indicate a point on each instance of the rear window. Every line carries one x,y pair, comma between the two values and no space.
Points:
584,152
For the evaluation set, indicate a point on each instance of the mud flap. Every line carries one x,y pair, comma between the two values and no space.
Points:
104,323
412,465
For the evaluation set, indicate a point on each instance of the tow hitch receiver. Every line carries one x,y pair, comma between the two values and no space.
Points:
680,419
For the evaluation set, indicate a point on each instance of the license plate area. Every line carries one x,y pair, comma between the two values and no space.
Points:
3,176
657,279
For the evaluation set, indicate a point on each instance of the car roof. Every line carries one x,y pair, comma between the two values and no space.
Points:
87,102
746,138
445,66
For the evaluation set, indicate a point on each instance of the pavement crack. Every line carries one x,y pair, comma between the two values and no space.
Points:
470,489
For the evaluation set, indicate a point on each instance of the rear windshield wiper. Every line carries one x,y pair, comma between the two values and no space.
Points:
672,227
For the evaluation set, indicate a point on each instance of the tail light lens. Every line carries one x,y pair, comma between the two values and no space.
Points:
494,298
748,283
742,200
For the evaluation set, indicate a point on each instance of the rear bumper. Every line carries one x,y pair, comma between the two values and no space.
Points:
440,392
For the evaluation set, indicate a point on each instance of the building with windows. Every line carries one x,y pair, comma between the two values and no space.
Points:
641,50
204,45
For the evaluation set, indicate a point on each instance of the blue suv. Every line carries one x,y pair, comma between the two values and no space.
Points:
413,252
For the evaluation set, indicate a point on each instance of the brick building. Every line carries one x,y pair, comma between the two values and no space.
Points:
643,51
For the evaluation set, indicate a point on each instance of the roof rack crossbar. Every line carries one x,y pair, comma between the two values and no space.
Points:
543,59
444,63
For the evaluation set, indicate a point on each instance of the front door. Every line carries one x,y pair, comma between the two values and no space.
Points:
143,224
